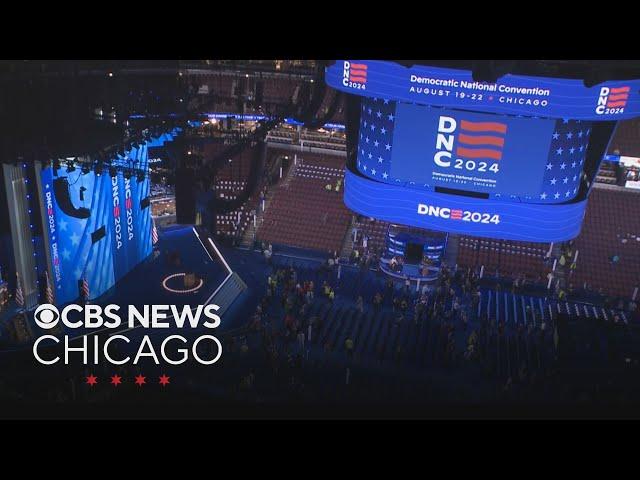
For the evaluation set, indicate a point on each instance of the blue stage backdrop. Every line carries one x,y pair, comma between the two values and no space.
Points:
525,159
98,226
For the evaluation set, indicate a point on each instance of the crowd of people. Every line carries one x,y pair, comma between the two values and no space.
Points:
447,308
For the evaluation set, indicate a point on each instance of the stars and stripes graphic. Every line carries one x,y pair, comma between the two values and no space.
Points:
84,290
358,72
19,293
48,291
456,214
618,97
154,232
377,121
481,140
563,171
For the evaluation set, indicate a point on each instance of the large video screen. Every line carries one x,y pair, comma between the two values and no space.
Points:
510,95
464,215
98,226
534,160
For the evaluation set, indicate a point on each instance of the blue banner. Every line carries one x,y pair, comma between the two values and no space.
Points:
512,94
463,215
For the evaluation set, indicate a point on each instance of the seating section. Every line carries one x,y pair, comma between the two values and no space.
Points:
220,85
338,115
225,87
509,257
376,232
611,227
279,90
230,181
325,140
227,224
310,138
302,212
606,174
284,134
625,141
209,150
237,170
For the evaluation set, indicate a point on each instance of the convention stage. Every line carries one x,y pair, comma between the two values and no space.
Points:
159,279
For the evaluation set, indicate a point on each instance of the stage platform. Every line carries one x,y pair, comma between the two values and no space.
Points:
146,283
156,281
411,271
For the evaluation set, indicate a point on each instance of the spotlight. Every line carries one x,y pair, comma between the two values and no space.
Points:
86,168
70,167
112,171
97,169
127,174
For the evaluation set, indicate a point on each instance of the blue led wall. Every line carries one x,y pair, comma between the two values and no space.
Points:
98,227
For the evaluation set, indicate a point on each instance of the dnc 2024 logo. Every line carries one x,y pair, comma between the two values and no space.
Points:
457,214
355,75
477,146
612,100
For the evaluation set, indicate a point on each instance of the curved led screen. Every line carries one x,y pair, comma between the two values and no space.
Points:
511,94
533,160
512,160
463,215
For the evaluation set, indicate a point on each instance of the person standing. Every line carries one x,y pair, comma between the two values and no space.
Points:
348,346
377,302
360,304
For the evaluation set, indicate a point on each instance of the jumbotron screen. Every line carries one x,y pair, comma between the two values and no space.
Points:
535,160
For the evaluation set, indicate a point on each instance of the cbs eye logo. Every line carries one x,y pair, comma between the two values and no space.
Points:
46,316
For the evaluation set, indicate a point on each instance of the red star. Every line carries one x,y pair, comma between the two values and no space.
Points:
116,380
140,380
164,380
92,380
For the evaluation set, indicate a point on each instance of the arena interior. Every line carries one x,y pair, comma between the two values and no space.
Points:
272,189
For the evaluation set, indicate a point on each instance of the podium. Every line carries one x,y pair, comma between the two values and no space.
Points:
190,280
